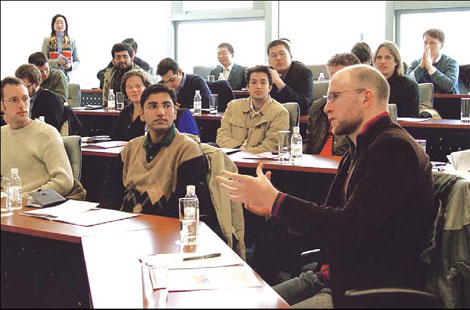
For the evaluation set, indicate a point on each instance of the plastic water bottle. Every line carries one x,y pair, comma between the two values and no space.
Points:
321,77
16,202
191,193
296,146
197,103
111,100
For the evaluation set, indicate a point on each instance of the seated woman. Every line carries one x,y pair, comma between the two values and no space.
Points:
404,91
129,125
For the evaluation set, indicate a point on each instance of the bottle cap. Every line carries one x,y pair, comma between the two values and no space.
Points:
14,170
190,189
296,129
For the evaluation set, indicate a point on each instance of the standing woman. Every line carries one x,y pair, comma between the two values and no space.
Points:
404,91
59,48
128,125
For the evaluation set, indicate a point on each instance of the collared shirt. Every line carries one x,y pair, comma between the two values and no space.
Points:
152,149
253,114
181,84
226,71
433,68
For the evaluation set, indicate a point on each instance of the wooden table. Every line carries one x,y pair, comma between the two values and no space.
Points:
448,105
106,272
96,122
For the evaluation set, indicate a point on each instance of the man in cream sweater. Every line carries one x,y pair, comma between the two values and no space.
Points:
34,147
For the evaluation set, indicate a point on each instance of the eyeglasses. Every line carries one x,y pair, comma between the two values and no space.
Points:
281,54
170,80
154,105
16,100
334,95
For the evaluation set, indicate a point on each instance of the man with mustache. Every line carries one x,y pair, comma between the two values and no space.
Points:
152,171
123,61
252,123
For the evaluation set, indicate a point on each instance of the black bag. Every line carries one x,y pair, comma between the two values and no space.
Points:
47,197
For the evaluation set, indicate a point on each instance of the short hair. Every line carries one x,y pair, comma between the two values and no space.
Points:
395,51
155,89
436,34
281,41
259,68
37,59
66,32
121,47
10,80
228,46
135,72
369,76
131,42
30,72
166,65
362,51
343,59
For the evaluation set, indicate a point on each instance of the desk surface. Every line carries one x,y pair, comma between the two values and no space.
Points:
111,252
97,112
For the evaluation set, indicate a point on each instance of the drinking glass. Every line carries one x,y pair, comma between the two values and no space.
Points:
188,220
6,207
283,145
119,100
422,143
465,110
214,104
211,78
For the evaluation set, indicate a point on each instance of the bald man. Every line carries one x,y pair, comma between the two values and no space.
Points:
379,207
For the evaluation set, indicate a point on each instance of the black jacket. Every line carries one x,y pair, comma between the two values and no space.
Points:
49,105
236,78
404,92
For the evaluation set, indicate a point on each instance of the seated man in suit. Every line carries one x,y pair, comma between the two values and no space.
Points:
152,171
123,61
252,123
292,80
435,67
185,85
52,79
320,139
43,102
380,207
138,61
35,148
233,73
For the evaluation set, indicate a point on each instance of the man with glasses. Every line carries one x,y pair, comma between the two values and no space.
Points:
123,61
232,72
43,102
292,80
153,170
185,85
435,67
35,148
52,79
380,207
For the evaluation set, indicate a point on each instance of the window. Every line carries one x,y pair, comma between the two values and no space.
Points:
197,42
215,5
453,23
320,29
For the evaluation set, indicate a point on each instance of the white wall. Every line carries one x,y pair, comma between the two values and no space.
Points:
95,26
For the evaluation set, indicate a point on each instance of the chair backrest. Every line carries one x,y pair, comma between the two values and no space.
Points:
202,71
426,91
316,69
294,114
224,90
392,109
320,88
92,97
74,98
73,146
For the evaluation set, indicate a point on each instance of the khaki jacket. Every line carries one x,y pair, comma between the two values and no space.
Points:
240,123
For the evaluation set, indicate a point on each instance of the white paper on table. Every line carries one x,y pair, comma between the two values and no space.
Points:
211,278
460,160
66,208
264,155
175,260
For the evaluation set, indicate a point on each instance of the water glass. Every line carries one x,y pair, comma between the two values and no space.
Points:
422,143
283,145
214,104
188,220
6,206
211,78
119,100
465,110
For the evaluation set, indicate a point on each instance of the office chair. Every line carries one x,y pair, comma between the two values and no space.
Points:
71,124
294,114
426,103
224,90
74,97
202,71
320,88
73,146
316,69
392,109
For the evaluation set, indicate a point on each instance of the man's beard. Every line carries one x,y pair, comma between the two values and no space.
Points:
349,126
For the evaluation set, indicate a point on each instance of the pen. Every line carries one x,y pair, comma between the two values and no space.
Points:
202,256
